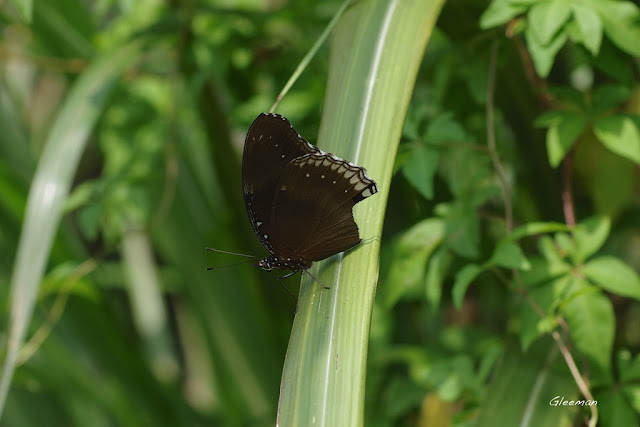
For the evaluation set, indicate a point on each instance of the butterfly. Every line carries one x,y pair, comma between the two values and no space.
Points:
298,198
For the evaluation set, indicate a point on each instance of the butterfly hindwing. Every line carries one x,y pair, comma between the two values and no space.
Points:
312,209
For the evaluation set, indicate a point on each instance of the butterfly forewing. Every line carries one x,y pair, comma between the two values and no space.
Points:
270,145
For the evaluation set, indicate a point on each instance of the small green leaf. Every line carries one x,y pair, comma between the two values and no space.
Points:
546,18
620,135
561,137
410,255
462,282
592,324
534,228
620,20
436,270
543,55
614,276
509,255
590,235
549,118
421,168
542,271
445,128
500,12
590,27
607,97
565,244
550,250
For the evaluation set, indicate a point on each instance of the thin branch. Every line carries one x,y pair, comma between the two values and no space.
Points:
567,191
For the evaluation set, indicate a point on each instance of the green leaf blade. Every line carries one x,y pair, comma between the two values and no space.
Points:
614,276
50,188
462,282
620,135
592,323
590,26
562,136
547,17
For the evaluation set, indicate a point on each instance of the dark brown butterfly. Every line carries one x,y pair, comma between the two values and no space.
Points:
299,199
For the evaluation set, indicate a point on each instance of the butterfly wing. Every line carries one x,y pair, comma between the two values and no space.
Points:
312,213
270,145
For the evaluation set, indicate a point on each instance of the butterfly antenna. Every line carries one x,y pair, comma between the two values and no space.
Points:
315,278
225,266
232,253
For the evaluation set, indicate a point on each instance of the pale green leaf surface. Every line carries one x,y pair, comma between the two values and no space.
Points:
375,53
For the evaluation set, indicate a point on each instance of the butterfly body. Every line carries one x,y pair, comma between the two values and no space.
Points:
298,198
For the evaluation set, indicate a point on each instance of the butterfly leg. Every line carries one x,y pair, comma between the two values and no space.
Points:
315,278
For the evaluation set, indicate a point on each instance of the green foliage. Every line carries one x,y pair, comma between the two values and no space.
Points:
509,244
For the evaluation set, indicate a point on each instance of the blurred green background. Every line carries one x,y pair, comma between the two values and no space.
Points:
129,329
